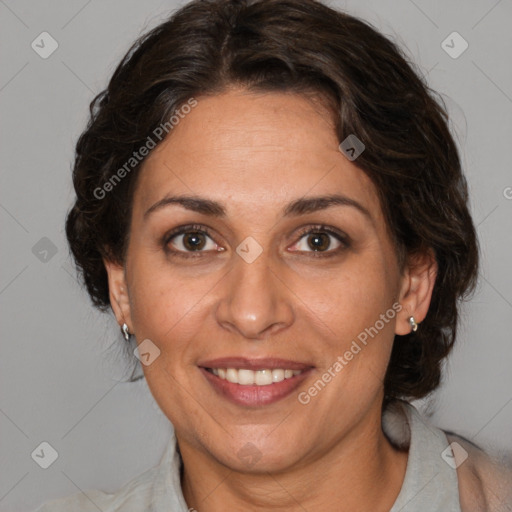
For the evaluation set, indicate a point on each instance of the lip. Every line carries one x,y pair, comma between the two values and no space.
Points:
254,364
254,396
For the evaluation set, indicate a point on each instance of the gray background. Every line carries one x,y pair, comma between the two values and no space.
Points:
62,365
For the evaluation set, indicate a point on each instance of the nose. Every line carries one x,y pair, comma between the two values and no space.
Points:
255,300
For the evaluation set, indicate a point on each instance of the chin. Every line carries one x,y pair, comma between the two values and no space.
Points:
257,457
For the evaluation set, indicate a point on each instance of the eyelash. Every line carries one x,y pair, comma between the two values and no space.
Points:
319,228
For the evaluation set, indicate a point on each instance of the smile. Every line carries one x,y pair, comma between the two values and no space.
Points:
246,377
254,388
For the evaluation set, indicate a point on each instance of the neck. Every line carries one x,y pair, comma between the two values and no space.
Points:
362,471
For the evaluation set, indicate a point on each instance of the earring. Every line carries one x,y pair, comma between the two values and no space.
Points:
125,332
414,325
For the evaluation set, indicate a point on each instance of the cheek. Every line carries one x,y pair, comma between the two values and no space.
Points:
168,309
352,298
356,305
165,305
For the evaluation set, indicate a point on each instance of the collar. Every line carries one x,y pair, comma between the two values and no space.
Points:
430,483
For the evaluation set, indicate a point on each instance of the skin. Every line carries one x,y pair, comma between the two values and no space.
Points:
255,153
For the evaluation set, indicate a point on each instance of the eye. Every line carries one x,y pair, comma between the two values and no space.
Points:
188,239
319,239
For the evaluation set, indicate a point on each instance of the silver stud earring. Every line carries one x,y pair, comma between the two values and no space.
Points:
126,334
414,325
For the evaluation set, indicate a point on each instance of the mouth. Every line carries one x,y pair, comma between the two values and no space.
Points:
254,382
246,377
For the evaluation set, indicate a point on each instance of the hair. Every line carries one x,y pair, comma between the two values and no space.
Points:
301,47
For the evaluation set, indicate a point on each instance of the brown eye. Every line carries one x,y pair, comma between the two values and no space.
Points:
188,240
194,241
318,242
318,239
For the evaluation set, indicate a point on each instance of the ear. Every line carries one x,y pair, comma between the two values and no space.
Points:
417,285
118,292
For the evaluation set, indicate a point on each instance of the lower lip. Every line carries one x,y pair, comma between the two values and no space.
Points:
254,396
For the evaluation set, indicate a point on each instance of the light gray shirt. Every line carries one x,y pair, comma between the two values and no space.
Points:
430,483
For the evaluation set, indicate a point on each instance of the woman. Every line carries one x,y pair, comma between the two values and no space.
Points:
270,201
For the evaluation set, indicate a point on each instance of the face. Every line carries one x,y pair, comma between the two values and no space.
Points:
279,258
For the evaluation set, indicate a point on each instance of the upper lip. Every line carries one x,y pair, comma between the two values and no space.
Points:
254,364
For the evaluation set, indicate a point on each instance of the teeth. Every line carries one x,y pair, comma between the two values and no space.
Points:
262,377
247,377
232,375
277,375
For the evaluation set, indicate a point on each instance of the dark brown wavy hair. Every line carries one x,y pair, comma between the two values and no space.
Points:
303,47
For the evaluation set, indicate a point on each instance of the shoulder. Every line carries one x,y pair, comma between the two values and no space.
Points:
134,496
157,489
485,478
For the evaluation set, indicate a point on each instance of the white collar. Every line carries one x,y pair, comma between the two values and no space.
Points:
430,484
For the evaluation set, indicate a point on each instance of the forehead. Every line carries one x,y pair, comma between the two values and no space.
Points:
252,150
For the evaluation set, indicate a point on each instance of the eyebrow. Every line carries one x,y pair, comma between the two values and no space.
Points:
300,206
